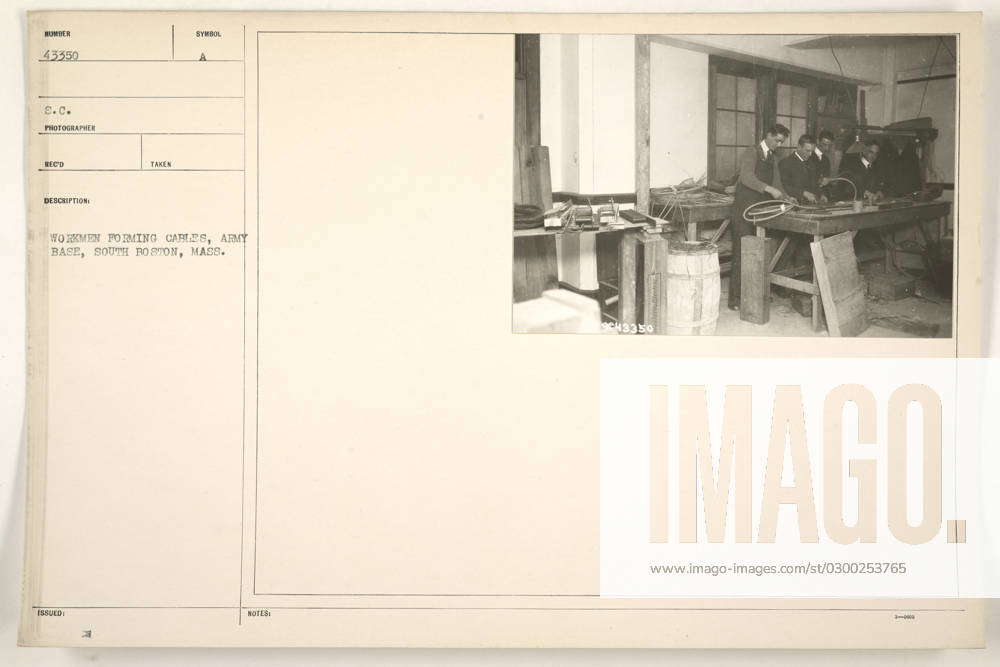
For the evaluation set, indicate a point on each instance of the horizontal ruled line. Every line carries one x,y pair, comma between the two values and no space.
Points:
143,170
155,134
114,60
401,608
140,97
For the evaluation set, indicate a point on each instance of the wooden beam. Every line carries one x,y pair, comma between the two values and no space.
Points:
642,78
781,250
793,284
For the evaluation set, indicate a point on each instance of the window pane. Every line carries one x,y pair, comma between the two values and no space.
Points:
787,122
799,101
725,127
725,91
798,128
725,164
746,94
745,130
784,99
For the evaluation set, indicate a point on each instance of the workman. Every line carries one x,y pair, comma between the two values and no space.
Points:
821,157
799,174
864,171
759,179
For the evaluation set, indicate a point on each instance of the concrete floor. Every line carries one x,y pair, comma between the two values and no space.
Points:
927,307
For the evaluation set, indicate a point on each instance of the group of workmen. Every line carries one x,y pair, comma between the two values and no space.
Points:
803,176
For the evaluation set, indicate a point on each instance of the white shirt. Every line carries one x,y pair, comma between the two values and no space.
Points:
801,159
865,162
763,147
818,153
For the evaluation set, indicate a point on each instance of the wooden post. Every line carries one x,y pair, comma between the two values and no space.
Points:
627,272
541,177
755,278
642,77
533,89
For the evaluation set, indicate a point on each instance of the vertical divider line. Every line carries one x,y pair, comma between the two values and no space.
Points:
243,382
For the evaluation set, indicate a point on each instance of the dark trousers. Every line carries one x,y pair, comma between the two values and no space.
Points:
738,228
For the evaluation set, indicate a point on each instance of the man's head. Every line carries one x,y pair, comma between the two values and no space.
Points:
825,141
775,136
807,143
870,151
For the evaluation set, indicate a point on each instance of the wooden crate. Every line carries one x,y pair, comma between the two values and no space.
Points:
890,286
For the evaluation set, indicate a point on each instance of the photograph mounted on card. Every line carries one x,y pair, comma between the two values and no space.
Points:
676,184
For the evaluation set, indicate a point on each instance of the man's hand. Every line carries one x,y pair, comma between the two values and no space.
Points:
823,199
809,197
773,191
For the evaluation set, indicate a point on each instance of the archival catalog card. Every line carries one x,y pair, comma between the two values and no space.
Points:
356,329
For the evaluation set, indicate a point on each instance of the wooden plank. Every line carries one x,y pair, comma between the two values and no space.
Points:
520,111
840,285
533,89
521,292
523,177
642,78
627,276
540,264
793,284
654,282
817,302
541,176
518,193
755,279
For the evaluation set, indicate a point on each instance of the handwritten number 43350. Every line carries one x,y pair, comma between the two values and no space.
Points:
60,55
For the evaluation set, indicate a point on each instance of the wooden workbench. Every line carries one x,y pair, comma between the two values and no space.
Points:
820,225
690,216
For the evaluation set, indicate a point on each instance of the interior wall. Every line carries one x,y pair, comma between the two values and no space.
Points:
678,116
588,117
937,99
611,133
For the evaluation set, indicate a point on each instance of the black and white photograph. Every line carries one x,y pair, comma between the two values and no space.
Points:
735,185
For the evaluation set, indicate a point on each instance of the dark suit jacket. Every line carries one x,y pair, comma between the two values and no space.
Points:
799,176
871,179
821,165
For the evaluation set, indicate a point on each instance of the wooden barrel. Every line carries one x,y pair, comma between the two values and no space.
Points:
693,287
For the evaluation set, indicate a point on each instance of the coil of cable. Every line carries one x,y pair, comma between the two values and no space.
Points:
528,217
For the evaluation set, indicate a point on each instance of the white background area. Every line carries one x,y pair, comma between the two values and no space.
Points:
12,356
